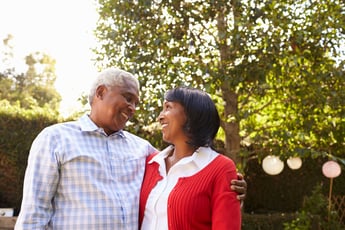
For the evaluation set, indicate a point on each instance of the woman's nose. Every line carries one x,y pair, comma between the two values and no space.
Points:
160,116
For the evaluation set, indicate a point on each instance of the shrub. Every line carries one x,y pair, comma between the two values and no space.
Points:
19,127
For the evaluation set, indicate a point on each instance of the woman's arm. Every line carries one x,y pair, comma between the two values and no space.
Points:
226,208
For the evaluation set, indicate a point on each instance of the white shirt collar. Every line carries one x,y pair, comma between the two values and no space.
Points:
201,157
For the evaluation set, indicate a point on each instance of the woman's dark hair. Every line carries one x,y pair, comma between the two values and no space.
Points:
202,116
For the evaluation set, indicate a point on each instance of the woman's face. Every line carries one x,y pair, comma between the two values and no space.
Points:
172,119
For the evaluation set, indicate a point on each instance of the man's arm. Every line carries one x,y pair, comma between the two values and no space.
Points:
41,178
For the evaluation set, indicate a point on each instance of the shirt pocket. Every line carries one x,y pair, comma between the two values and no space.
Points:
129,170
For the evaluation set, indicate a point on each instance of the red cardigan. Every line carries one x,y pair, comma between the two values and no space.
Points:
202,201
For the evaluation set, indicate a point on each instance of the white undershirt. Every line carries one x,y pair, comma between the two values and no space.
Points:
155,216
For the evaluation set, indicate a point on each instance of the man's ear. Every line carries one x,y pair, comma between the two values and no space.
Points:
100,91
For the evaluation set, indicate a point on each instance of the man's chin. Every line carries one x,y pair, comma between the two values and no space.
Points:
122,125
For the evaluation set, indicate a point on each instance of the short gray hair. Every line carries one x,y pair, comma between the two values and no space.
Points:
111,77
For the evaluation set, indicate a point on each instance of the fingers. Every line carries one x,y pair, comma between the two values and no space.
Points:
240,176
241,194
239,189
241,197
239,183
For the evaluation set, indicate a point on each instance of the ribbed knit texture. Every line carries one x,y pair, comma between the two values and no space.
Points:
202,201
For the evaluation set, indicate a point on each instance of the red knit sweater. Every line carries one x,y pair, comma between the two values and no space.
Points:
202,201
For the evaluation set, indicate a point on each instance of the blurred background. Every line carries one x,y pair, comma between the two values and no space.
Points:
274,68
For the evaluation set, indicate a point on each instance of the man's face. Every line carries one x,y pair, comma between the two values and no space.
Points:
114,106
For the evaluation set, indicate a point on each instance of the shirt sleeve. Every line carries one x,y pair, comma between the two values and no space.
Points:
40,183
226,214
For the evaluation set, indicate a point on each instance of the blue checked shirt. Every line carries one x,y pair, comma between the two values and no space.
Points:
80,178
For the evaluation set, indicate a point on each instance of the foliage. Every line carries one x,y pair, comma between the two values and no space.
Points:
273,221
315,209
285,192
33,88
275,68
19,127
28,103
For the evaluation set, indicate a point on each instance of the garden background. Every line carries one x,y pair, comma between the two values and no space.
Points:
274,68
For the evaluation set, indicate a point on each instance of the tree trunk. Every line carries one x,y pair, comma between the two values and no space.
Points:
230,124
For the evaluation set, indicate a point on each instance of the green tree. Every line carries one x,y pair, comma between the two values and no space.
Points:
273,67
33,88
7,71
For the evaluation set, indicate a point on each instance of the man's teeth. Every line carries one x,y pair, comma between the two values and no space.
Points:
164,125
124,115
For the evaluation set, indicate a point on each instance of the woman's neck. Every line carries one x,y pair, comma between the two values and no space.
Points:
177,153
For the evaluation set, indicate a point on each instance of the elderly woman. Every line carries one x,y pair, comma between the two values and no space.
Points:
186,186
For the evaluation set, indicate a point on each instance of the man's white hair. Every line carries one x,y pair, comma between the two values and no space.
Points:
112,77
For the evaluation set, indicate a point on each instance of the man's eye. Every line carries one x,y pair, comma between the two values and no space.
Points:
130,99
